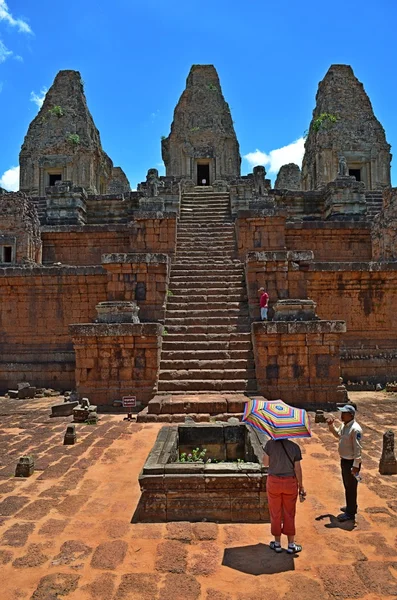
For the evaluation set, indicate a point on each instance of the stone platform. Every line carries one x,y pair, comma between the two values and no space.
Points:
173,408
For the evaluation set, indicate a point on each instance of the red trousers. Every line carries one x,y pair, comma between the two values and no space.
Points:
282,494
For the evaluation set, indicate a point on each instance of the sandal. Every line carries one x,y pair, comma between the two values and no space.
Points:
275,546
294,549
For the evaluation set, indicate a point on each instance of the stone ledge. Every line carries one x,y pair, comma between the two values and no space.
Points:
135,258
29,271
276,327
261,213
328,225
138,215
354,266
93,228
280,255
116,329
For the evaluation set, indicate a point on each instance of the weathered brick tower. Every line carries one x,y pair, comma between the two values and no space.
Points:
202,144
62,142
344,124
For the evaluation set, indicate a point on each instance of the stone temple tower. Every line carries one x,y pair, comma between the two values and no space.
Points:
62,142
202,145
344,124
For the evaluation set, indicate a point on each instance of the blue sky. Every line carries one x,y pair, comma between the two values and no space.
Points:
134,58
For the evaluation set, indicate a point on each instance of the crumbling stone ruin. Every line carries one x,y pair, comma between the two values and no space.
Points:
62,142
154,293
118,183
288,178
344,123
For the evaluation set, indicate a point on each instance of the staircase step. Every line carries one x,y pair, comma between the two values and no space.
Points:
194,285
209,321
205,313
207,355
200,278
204,386
180,303
180,269
207,329
178,343
225,337
195,365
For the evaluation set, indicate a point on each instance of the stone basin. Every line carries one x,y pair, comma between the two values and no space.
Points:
222,491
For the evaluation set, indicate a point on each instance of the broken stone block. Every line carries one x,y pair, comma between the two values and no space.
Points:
22,385
320,417
70,435
25,467
63,410
26,392
84,412
388,462
13,394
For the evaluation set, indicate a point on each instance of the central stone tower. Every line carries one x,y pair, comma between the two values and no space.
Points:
202,145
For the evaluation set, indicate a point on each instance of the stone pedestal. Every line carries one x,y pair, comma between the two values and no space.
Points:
295,310
345,199
70,436
388,462
117,312
25,467
66,204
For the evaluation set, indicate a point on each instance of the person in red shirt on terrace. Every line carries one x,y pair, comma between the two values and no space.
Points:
263,302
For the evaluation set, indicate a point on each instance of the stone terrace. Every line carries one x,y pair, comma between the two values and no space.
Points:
66,532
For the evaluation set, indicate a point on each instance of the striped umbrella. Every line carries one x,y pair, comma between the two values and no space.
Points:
277,419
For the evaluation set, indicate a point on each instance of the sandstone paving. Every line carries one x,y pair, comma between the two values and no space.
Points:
70,535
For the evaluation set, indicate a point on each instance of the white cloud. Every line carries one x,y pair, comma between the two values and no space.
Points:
292,153
10,180
4,52
6,16
18,58
38,99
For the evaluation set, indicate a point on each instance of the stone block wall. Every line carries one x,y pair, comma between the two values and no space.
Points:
140,277
256,233
299,361
116,360
85,245
37,305
365,294
334,242
82,245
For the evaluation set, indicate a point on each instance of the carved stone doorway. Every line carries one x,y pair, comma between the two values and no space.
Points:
203,174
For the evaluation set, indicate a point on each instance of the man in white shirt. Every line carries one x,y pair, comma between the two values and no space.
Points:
350,439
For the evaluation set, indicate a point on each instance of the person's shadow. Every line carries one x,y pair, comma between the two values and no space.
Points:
335,524
258,559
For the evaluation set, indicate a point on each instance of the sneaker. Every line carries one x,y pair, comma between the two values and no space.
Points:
276,546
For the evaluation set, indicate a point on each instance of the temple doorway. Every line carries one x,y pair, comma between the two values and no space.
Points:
203,174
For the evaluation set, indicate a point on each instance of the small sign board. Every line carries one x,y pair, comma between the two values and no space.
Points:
129,401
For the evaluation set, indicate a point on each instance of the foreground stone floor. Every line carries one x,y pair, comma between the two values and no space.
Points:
65,532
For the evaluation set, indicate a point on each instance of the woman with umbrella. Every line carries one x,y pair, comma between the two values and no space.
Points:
283,459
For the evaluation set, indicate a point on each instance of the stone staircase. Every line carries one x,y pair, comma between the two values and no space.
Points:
207,346
374,203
